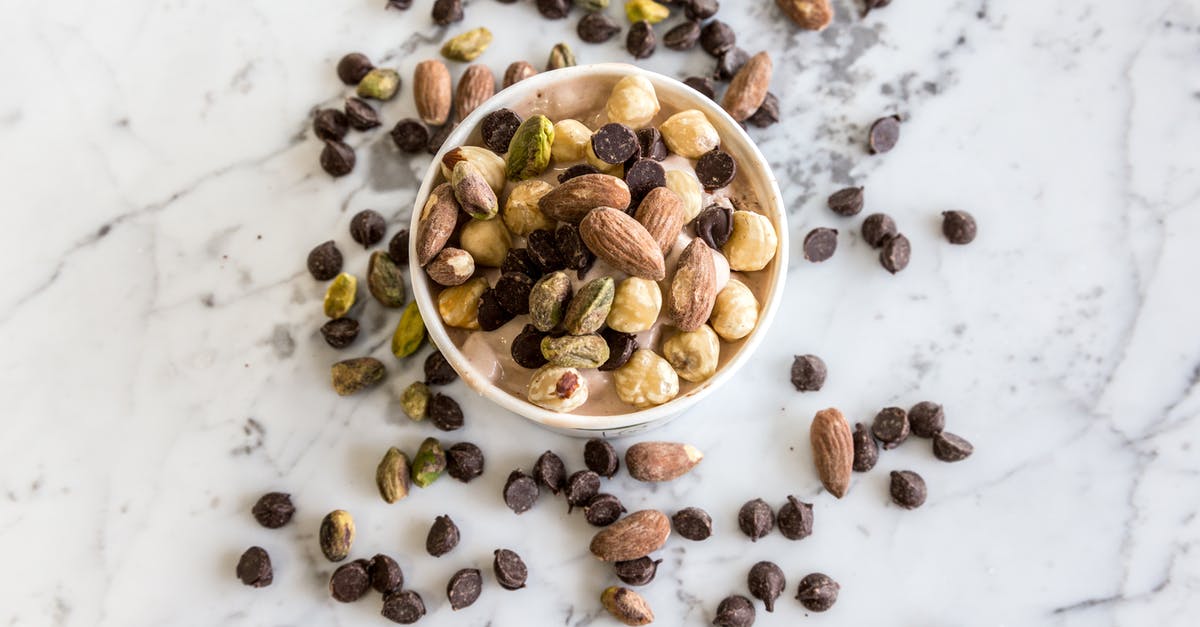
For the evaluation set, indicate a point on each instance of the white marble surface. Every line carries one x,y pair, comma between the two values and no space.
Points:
162,366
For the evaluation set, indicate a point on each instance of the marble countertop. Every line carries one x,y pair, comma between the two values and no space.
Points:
163,368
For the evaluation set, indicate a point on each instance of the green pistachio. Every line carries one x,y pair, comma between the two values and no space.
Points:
385,280
548,299
415,400
392,476
467,46
529,150
410,332
380,84
354,375
648,10
575,351
340,295
589,307
561,56
429,463
336,535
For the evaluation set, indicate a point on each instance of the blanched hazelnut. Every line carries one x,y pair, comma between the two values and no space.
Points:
571,137
633,102
752,244
687,187
689,134
646,380
635,307
693,354
735,313
521,214
488,241
558,389
459,305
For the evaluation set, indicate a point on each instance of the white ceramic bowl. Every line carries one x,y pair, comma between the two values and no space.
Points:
751,165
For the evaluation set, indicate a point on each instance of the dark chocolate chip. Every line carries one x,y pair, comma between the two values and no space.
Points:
958,227
353,67
512,292
735,611
908,489
884,134
756,519
554,9
951,448
403,606
464,587
597,28
579,169
519,260
847,202
866,449
520,491
641,41
349,582
714,225
808,373
795,519
510,569
337,159
444,413
601,457
410,135
613,143
443,536
498,128
340,332
700,9
717,37
325,261
692,523
643,176
526,349
438,137
543,249
895,254
362,116
438,371
820,244
550,472
385,573
891,427
254,567
702,84
817,592
398,247
683,37
766,582
464,461
767,113
273,509
926,419
603,510
730,62
581,487
492,315
638,572
715,169
398,5
330,124
571,249
367,227
651,142
620,348
877,229
446,12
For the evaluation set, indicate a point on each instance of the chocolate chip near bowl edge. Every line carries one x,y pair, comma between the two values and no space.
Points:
498,128
926,419
715,169
714,225
510,569
767,113
877,229
702,84
520,491
820,244
614,143
636,572
692,523
651,143
958,227
579,169
526,348
367,227
600,457
597,28
717,37
273,509
884,134
808,373
641,41
643,176
951,448
730,62
895,254
512,292
756,519
254,568
438,371
847,201
444,413
491,314
621,347
908,489
398,247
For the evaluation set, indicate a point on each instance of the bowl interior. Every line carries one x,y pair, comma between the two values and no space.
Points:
571,92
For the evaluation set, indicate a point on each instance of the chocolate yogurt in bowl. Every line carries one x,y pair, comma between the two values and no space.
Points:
598,247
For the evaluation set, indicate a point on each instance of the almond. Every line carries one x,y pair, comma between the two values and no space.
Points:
623,243
833,450
636,535
809,14
748,89
431,91
661,461
518,71
661,212
476,85
438,219
694,288
573,199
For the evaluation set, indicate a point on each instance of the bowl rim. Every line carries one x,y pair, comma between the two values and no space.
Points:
591,424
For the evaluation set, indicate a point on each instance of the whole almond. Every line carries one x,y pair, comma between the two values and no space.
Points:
431,91
623,243
662,213
518,71
476,85
694,288
661,461
636,535
438,219
809,14
748,89
452,266
833,450
572,200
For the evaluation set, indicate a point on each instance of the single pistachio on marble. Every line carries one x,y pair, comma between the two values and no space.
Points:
467,46
529,150
646,10
339,296
561,56
415,400
380,84
385,280
354,375
589,308
474,194
392,475
337,535
548,299
428,463
575,351
410,332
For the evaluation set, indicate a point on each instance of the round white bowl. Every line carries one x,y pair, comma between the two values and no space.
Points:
751,165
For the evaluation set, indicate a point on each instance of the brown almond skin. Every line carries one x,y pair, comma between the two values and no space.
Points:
444,271
437,225
476,85
661,212
749,87
572,200
623,243
694,288
518,71
431,91
833,450
638,534
661,461
808,14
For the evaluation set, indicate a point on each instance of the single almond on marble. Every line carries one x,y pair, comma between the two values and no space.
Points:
808,14
431,91
693,290
662,213
622,242
748,89
476,85
661,461
518,71
833,450
572,200
439,217
636,535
